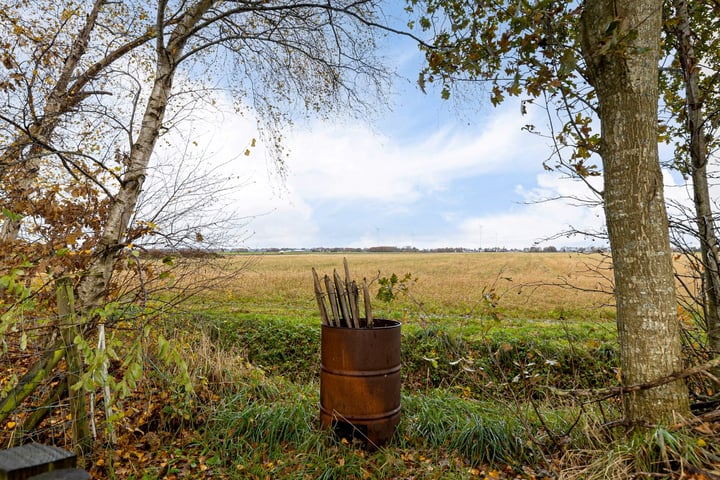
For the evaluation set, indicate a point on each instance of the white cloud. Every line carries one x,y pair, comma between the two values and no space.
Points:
547,209
351,162
537,220
345,164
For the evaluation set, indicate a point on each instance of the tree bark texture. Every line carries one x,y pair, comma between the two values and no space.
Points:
620,41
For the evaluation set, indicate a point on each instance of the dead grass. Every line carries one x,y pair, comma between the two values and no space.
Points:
525,285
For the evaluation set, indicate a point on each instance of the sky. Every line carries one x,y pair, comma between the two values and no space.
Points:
423,174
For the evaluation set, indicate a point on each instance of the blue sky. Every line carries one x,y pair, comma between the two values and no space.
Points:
445,182
423,174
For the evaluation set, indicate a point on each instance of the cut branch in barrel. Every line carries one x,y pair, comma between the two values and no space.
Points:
320,297
333,301
342,295
344,298
353,296
368,308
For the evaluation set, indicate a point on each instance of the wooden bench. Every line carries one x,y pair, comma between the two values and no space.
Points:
39,462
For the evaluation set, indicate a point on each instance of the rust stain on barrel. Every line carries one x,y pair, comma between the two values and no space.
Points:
360,378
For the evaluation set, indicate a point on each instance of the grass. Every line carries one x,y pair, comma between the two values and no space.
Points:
275,433
449,287
484,337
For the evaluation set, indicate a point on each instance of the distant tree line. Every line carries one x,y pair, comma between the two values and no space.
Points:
392,249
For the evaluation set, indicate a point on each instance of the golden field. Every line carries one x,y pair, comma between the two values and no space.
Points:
520,285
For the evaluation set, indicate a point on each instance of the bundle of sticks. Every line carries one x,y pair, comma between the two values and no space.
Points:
340,302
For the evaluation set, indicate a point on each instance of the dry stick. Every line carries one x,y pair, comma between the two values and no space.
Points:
353,295
368,308
347,273
320,299
333,301
342,300
352,301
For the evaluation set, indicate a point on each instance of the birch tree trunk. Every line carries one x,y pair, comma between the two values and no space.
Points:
620,41
93,286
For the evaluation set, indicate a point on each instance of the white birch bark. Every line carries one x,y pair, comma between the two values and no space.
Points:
93,286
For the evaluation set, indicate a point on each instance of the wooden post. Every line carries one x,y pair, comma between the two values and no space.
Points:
343,300
333,302
66,311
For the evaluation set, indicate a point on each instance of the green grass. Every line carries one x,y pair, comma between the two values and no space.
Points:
275,431
568,355
479,380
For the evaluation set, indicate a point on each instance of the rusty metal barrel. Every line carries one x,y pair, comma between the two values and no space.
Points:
360,381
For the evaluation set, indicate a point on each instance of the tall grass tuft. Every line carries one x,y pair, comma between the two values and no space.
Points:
490,439
482,432
657,453
265,414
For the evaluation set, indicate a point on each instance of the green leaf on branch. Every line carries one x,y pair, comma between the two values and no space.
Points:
15,217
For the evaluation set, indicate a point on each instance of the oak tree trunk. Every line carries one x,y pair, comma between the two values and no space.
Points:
620,41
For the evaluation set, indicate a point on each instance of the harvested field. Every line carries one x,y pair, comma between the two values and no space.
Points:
521,285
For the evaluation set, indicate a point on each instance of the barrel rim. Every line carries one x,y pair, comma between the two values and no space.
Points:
389,324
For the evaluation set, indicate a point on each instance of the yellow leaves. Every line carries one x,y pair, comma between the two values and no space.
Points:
247,151
67,14
497,96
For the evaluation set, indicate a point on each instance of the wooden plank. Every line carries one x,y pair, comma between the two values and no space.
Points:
64,474
21,463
